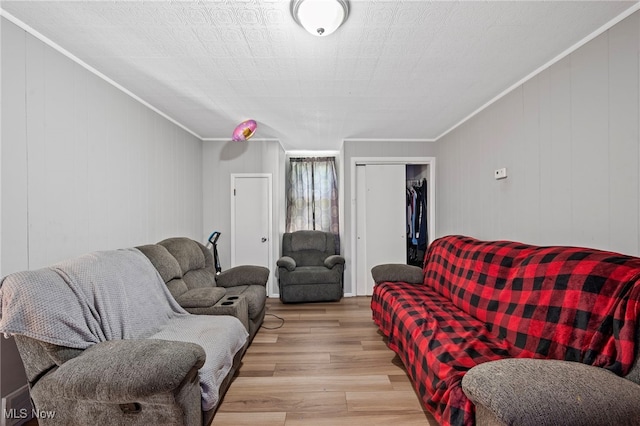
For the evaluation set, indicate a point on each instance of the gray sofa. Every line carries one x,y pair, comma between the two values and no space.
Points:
104,342
186,266
310,270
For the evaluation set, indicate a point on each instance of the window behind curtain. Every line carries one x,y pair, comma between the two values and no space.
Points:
312,195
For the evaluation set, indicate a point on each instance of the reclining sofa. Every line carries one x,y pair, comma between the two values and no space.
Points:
187,268
505,333
103,340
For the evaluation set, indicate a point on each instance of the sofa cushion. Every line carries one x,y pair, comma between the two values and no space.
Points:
177,287
313,275
186,251
221,337
308,240
167,266
199,278
163,261
200,297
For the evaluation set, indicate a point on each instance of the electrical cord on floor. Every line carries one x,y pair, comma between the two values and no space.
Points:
274,328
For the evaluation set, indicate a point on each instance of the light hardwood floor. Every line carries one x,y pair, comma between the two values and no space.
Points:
326,365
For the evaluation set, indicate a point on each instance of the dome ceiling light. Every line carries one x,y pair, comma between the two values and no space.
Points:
320,17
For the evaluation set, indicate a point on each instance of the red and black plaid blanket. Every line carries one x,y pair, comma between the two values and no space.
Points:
484,301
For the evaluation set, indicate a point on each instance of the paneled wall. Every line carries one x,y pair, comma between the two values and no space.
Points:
84,167
570,140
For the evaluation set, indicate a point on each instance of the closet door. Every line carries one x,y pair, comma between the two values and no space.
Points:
381,220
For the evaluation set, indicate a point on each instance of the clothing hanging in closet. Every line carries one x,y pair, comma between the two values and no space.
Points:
417,234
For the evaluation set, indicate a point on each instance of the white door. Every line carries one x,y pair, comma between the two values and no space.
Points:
381,220
251,219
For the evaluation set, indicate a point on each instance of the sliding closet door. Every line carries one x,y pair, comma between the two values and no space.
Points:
381,220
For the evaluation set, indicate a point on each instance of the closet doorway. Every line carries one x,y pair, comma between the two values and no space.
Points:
381,223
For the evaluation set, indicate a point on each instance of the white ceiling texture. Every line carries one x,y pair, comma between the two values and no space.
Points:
396,70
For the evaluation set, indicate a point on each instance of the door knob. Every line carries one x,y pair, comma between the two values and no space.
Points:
264,239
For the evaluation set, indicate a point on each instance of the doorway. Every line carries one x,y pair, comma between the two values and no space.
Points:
379,225
251,220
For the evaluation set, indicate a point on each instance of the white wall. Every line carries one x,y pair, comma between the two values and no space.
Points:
84,167
221,159
570,141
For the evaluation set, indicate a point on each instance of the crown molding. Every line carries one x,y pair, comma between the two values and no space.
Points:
387,140
65,52
606,27
312,153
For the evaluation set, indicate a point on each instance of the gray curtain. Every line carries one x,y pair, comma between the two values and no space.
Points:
312,195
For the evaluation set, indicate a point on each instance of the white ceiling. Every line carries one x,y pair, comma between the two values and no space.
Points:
402,69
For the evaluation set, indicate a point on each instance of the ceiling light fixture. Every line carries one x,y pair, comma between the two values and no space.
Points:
320,17
244,130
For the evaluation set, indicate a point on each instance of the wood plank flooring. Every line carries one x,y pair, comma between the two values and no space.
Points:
326,365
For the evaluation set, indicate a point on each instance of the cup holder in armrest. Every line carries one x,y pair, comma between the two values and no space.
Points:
234,305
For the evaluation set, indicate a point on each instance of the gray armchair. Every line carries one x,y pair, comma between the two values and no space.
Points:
309,269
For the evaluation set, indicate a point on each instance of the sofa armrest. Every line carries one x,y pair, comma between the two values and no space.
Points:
125,370
397,272
202,297
333,260
286,262
243,275
549,392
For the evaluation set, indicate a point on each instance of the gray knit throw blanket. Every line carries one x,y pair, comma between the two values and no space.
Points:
99,296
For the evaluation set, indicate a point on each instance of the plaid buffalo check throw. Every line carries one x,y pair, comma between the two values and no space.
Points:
484,301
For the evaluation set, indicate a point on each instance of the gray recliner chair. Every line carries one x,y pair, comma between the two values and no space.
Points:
310,270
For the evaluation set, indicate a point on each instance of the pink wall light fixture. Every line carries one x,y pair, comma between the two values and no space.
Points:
244,130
